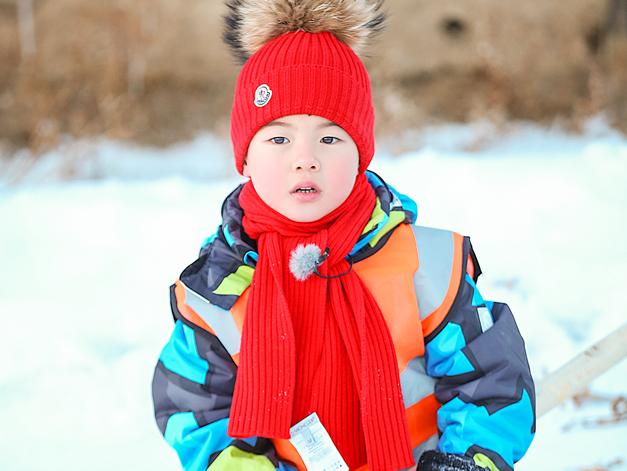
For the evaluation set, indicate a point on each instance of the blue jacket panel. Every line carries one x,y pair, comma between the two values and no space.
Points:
484,381
192,392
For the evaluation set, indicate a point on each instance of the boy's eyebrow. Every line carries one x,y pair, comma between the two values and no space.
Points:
283,123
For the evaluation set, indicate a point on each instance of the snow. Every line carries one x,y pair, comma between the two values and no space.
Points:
87,264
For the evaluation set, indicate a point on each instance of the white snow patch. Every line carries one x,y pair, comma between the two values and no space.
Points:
87,264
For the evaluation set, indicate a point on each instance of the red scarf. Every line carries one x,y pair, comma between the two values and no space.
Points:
320,344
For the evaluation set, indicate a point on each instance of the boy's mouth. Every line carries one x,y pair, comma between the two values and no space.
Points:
306,187
306,192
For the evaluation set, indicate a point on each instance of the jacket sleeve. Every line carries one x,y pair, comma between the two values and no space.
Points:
192,391
483,379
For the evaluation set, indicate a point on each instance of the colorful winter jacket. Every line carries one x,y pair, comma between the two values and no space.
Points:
463,368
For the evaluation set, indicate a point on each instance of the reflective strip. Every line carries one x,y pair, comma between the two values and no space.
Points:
435,258
415,383
439,274
186,311
430,443
220,321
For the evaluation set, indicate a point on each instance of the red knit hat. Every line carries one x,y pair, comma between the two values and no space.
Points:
303,73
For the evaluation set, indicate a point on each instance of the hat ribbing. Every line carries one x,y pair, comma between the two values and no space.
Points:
307,73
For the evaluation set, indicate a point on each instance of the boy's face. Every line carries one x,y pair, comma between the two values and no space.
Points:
303,166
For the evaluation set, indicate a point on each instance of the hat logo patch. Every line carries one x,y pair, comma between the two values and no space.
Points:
262,95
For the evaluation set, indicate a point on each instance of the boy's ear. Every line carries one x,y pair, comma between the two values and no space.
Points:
245,169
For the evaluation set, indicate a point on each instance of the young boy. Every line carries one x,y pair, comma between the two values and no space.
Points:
319,328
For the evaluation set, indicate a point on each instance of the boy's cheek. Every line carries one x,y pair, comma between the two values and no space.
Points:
343,180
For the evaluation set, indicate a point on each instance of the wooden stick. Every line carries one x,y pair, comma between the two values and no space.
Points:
575,375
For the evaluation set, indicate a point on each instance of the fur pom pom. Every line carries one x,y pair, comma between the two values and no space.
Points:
303,260
250,24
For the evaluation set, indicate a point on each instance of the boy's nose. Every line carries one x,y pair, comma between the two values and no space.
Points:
306,160
311,165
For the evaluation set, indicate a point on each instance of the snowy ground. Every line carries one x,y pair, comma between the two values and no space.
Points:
86,267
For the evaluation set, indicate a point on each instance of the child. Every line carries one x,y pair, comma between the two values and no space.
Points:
319,328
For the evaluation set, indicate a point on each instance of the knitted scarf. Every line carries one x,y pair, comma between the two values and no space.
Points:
319,344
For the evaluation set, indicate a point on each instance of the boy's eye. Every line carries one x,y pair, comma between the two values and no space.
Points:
329,140
281,140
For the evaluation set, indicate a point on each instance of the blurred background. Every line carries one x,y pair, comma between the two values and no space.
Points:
157,72
505,121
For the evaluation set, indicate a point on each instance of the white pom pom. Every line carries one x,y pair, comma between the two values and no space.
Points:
303,260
